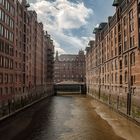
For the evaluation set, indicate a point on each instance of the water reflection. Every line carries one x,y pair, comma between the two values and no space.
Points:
77,118
69,118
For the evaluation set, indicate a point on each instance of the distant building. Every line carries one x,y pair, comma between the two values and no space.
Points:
69,67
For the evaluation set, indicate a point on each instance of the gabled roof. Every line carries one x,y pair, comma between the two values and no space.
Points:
101,26
67,57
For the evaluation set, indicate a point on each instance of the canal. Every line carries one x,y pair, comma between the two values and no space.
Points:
69,117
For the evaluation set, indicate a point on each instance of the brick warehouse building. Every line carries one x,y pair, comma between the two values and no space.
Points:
69,67
113,59
7,10
26,52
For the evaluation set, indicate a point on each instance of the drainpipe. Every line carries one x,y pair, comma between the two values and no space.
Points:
99,82
129,87
138,22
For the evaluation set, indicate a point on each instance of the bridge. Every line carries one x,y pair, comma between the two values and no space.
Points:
70,87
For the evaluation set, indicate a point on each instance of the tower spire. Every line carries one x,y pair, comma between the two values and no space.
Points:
56,57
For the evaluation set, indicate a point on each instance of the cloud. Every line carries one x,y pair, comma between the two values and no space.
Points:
60,16
71,43
58,48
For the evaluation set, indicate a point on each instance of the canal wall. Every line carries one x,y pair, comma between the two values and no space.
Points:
119,103
21,102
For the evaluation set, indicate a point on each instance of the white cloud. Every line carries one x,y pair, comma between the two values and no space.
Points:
97,25
62,15
58,48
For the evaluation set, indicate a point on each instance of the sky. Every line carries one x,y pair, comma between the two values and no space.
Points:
71,22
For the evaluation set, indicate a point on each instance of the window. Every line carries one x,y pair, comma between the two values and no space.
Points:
11,37
125,45
132,58
112,65
125,60
112,78
12,11
120,79
132,80
1,78
119,27
1,61
11,23
124,33
11,64
16,77
132,41
115,51
6,90
126,76
103,80
1,46
120,64
6,78
11,78
131,26
131,15
124,21
1,91
111,34
1,15
1,30
7,48
115,64
11,90
115,31
116,77
6,62
115,40
6,34
11,51
2,2
119,39
120,50
108,78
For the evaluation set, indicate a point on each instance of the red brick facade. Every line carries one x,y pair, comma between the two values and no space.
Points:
7,10
69,67
113,60
26,53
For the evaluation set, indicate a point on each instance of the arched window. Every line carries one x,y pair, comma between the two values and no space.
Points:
126,76
120,79
125,60
132,58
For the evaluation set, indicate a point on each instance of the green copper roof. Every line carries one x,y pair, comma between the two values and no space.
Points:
102,25
116,3
95,30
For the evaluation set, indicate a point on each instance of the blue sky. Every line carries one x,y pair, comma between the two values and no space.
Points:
71,22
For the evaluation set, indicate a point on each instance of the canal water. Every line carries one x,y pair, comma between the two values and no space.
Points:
68,117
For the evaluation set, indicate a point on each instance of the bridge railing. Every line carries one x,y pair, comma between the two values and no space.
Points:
70,88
